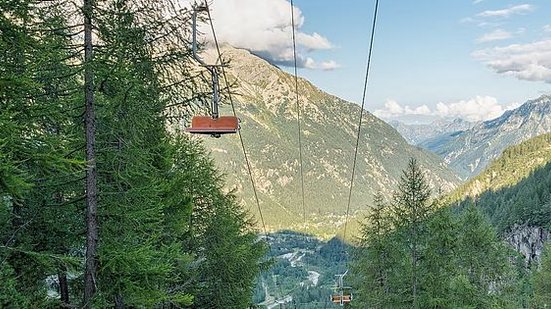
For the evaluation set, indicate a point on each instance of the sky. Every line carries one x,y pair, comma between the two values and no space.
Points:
470,59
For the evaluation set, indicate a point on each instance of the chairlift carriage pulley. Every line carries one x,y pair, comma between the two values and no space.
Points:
214,124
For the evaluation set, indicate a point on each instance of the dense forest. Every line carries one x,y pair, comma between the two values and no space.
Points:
414,253
103,203
515,188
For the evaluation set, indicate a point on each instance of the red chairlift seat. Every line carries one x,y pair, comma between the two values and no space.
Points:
214,126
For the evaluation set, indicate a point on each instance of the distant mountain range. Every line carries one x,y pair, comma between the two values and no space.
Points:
440,129
468,152
267,109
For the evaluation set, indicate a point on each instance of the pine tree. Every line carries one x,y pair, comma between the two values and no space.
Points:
541,282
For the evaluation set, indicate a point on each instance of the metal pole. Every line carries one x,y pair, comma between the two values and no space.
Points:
215,94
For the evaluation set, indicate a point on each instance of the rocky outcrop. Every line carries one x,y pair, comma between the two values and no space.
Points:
528,241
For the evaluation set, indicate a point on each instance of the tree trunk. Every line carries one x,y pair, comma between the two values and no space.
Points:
414,270
91,173
63,287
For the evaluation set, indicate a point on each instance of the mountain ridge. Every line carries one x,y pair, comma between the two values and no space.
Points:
267,109
515,194
516,163
416,134
470,151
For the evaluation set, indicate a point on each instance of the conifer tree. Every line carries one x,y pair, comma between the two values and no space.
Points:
38,165
542,282
437,266
373,259
227,250
482,262
411,205
134,159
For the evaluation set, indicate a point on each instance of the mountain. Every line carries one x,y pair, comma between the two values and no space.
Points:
439,129
470,151
516,163
265,103
515,192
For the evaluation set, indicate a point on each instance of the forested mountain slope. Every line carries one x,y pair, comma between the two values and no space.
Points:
266,106
516,163
470,151
515,193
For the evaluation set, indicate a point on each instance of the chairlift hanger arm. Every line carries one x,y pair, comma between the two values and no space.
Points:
196,9
194,44
213,125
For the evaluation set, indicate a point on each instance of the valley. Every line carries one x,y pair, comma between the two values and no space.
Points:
303,274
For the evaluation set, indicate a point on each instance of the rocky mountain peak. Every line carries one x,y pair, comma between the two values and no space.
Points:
470,151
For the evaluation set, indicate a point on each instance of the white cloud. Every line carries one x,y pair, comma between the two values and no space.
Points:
547,28
479,108
499,34
264,28
496,35
476,109
514,10
393,109
477,1
524,61
329,65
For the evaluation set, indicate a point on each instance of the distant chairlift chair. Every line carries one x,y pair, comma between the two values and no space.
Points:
214,124
343,294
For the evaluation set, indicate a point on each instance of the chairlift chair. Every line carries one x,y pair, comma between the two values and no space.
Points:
343,294
214,124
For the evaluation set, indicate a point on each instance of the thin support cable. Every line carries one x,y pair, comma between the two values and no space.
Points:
249,169
298,113
366,84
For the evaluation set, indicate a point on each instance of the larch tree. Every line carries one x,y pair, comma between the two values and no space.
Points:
39,166
373,260
91,95
482,262
411,205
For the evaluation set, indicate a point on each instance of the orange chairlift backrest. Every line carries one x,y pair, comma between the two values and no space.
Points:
341,299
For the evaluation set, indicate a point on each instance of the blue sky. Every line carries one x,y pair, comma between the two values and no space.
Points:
463,58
